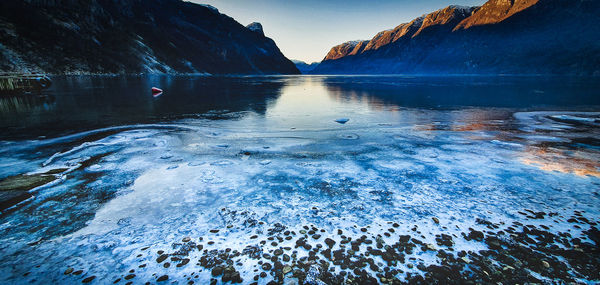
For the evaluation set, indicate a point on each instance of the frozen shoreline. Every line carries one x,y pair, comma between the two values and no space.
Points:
146,186
108,170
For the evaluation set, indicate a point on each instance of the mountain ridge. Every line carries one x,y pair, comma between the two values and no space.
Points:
500,37
129,37
305,68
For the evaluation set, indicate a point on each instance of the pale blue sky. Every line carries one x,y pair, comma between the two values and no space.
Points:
307,29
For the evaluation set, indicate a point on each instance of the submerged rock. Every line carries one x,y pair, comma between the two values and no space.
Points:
15,189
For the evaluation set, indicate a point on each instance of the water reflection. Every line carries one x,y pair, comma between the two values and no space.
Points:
12,106
480,107
89,102
581,163
463,91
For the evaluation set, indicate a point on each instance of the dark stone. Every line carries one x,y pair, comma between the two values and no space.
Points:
162,258
329,242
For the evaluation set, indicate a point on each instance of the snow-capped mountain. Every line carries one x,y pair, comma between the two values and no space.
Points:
502,36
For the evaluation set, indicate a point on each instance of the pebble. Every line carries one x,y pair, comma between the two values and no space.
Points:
162,258
329,242
545,264
371,259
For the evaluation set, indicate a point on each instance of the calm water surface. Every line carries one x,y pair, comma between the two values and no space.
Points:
132,170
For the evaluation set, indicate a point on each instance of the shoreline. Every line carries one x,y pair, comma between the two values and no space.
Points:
389,253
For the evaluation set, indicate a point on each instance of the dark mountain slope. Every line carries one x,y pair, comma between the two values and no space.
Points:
149,36
501,37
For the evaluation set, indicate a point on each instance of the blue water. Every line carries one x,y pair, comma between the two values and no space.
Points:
146,170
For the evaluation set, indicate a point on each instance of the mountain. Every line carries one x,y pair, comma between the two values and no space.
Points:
133,36
500,37
304,67
345,49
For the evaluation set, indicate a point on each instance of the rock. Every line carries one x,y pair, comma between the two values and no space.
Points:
286,269
435,220
545,264
216,271
475,235
256,27
163,278
329,242
69,270
162,258
236,278
266,266
183,262
186,239
15,189
88,279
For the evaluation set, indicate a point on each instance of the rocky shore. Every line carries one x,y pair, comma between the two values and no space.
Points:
531,251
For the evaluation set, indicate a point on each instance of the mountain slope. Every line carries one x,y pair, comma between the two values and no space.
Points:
135,36
502,36
495,11
345,49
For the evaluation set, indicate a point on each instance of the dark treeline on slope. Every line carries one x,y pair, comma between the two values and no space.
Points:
133,36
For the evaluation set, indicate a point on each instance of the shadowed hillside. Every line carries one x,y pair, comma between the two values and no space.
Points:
502,36
151,36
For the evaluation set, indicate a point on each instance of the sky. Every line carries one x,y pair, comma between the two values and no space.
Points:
307,29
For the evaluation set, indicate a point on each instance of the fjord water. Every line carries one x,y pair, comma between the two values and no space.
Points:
137,173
